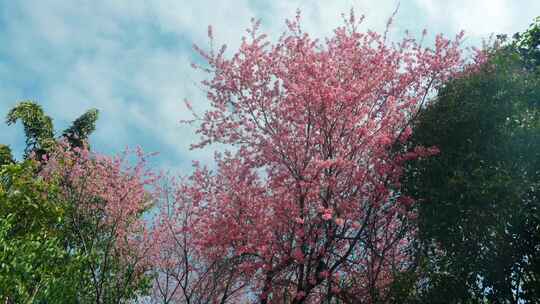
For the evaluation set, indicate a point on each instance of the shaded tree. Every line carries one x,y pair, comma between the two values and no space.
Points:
6,157
528,44
479,215
77,135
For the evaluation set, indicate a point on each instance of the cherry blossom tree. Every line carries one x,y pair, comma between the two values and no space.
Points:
308,202
106,199
182,273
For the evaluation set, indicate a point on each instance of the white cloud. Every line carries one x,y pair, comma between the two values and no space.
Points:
131,59
480,18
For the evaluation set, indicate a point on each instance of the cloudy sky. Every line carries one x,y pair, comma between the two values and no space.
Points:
131,59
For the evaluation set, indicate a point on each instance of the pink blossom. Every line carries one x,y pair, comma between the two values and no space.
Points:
327,216
311,122
299,220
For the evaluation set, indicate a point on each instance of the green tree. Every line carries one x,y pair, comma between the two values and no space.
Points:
37,263
55,247
479,219
34,263
81,128
39,128
5,155
528,44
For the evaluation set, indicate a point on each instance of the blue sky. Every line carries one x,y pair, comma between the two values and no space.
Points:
131,59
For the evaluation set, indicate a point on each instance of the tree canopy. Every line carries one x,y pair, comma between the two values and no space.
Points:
39,128
70,219
479,215
358,170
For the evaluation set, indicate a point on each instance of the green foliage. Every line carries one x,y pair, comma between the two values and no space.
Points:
5,155
102,274
528,44
81,128
41,257
479,215
34,264
50,252
39,129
